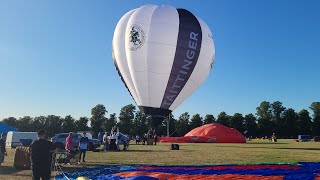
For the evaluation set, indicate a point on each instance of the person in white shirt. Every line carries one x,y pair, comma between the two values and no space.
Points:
115,136
106,141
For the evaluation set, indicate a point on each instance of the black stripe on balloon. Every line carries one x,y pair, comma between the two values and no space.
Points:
186,56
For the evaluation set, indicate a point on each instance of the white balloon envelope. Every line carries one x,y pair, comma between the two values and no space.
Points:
162,55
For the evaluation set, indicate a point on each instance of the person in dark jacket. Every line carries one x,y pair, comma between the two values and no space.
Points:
40,157
3,151
83,146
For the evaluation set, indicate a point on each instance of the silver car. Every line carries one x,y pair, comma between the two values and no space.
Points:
59,140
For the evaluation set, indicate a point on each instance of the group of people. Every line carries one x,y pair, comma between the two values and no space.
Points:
113,139
149,135
40,155
82,147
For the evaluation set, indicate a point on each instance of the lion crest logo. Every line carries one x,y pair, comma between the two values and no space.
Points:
137,37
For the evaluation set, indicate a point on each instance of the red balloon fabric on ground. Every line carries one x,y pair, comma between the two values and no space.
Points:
209,133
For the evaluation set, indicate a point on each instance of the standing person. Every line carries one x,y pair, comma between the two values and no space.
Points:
69,142
144,139
106,142
83,146
115,137
3,151
40,157
155,139
137,139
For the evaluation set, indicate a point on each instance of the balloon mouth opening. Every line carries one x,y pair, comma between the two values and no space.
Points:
155,112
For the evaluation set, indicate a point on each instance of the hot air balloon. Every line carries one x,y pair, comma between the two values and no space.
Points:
162,55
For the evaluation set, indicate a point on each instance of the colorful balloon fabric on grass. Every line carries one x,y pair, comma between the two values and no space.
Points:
302,170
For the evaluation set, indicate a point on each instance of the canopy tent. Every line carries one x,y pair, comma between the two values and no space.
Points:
4,128
209,133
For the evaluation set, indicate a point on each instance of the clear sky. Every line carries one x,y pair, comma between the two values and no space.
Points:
55,56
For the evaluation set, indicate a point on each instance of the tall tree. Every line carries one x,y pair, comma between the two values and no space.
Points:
304,123
82,124
126,117
264,119
110,122
25,124
140,126
97,118
10,121
290,119
223,119
315,107
196,121
39,123
277,109
209,118
250,125
183,124
53,124
236,121
68,124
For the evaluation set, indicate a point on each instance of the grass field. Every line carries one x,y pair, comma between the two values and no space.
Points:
256,151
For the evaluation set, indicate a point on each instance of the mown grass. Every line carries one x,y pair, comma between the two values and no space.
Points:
256,151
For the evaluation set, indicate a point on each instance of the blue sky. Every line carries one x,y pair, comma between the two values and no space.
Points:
55,56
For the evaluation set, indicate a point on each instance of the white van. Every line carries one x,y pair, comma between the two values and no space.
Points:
13,138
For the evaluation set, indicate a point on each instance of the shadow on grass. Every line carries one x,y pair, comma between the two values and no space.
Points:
310,149
8,170
287,148
152,150
266,143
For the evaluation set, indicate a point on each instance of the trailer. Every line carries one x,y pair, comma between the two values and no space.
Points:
15,138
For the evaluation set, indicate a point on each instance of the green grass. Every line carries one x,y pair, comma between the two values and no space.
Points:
256,151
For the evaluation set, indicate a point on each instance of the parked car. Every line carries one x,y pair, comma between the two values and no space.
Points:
304,138
59,140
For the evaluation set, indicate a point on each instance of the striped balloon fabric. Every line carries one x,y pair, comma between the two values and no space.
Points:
303,171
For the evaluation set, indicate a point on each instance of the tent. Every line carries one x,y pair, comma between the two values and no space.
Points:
209,133
5,128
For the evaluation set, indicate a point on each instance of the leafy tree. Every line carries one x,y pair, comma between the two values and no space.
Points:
25,124
264,110
39,123
223,119
315,107
126,117
236,121
196,121
264,118
10,121
277,110
304,123
53,124
110,122
82,124
68,124
97,118
250,125
140,126
290,119
209,118
183,124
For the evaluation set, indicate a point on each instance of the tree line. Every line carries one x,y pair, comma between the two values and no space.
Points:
269,118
